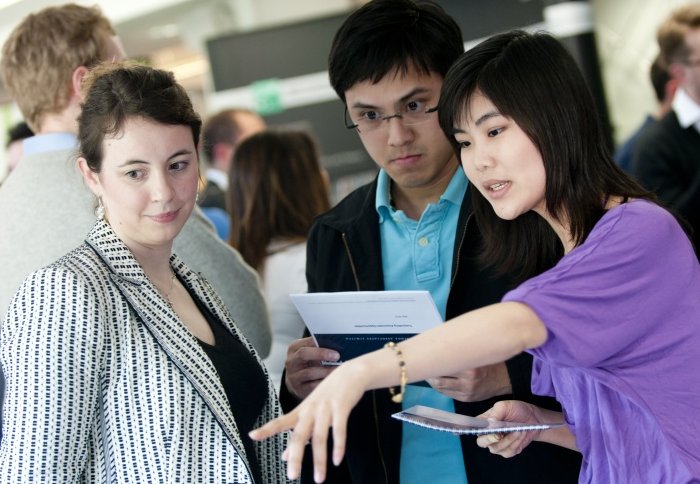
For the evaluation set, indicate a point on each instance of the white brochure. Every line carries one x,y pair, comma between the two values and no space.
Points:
437,419
355,323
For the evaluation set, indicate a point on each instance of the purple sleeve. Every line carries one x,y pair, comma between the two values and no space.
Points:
605,302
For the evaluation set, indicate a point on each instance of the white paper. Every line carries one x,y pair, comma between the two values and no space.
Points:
358,322
455,423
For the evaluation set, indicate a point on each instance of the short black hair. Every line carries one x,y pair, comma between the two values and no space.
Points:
659,76
384,35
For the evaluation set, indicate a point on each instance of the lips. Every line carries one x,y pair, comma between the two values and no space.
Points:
496,185
165,217
405,159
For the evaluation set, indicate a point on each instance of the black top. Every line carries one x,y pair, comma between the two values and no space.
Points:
243,380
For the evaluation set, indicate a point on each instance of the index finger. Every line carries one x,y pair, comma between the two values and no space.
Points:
273,427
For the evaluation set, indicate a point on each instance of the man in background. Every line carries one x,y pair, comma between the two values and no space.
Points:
667,156
221,133
664,89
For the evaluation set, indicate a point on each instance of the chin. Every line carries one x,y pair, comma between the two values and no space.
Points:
504,214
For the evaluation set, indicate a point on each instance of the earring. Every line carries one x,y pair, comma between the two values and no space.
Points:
99,210
196,198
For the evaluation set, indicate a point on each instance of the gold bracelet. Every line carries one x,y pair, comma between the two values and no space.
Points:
403,379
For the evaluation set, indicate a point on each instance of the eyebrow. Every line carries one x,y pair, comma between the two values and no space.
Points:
142,162
486,116
413,92
483,118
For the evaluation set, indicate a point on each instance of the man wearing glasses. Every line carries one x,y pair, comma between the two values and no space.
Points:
409,229
667,155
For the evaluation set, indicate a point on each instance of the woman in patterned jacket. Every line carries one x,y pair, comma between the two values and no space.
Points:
122,364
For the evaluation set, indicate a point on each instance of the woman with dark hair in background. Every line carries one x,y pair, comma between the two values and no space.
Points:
277,187
609,305
122,364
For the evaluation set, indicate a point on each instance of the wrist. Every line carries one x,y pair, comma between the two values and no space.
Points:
359,371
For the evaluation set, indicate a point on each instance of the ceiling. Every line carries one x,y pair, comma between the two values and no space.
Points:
171,34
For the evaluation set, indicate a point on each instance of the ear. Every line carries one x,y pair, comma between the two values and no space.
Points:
77,81
91,179
222,153
670,89
677,71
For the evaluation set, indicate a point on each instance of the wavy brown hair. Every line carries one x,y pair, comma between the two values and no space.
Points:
41,53
276,190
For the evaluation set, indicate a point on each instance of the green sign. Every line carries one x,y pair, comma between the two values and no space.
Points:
266,94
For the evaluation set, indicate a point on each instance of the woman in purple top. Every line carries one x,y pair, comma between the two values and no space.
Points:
610,303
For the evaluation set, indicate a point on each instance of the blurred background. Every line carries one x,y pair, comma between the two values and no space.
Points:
270,55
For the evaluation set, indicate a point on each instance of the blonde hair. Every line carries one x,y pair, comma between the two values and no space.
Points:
671,33
42,52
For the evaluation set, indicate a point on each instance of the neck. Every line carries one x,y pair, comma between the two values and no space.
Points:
63,122
413,200
561,227
155,263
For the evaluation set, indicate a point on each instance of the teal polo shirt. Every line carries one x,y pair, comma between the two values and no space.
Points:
417,255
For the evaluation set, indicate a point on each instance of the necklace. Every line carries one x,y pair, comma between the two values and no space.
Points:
172,286
170,289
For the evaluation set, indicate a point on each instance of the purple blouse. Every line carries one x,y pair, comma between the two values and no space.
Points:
622,354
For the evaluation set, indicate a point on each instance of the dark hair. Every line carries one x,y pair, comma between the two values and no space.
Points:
384,35
659,76
222,127
18,132
116,92
276,190
532,79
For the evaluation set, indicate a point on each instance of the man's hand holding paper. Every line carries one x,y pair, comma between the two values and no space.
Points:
304,370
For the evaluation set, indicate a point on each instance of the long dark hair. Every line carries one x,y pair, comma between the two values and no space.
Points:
276,190
532,79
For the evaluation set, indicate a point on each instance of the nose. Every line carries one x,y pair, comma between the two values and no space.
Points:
399,134
482,159
161,189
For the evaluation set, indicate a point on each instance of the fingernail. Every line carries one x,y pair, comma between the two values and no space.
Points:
333,356
318,477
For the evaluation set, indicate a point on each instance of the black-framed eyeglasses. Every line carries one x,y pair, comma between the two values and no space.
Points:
413,113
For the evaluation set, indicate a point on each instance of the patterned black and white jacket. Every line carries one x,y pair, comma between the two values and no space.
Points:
105,384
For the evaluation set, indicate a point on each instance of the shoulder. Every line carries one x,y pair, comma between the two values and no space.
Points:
204,251
78,268
351,207
662,131
640,219
70,289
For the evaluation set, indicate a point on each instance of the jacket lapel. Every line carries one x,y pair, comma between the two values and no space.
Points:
155,313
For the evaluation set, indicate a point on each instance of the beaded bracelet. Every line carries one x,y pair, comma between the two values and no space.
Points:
403,379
